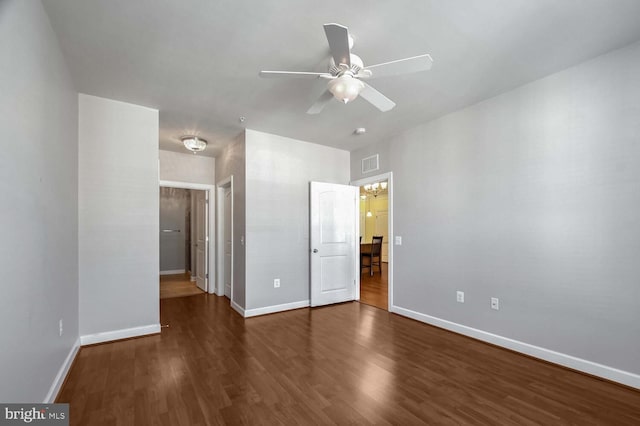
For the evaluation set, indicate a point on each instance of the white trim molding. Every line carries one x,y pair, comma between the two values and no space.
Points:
125,333
239,309
58,381
276,308
569,361
173,272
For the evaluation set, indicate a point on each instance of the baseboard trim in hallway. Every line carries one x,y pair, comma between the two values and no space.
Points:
58,381
173,272
125,333
603,371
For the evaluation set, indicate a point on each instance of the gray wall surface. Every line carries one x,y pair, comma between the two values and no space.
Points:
232,162
278,173
175,203
118,215
39,203
532,197
191,168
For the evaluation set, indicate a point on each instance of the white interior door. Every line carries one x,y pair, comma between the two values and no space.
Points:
333,237
228,247
202,240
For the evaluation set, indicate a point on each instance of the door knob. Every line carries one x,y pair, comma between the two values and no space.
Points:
315,250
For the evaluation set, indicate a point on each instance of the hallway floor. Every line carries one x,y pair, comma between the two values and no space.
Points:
179,285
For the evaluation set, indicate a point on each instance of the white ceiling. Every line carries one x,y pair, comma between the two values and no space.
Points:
197,61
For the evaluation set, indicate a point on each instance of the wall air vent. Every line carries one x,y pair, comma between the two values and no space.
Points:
370,164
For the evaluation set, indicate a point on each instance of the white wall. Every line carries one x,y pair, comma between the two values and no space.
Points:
278,173
532,197
232,162
191,168
118,217
38,204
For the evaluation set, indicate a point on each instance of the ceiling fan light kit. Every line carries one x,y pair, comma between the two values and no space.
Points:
194,143
345,88
346,72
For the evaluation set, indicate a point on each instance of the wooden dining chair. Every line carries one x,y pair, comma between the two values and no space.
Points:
374,256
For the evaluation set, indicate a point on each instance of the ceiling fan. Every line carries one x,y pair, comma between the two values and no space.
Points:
347,72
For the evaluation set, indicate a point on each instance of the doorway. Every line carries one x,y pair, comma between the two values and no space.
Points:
376,207
185,232
178,233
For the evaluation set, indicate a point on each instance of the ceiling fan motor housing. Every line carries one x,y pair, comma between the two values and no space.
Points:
356,65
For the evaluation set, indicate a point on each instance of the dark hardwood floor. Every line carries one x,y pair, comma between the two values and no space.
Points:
374,290
343,364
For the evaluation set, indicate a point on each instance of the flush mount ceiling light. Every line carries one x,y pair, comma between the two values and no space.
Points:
194,143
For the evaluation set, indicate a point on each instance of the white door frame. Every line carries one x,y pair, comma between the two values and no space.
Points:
220,189
211,219
371,179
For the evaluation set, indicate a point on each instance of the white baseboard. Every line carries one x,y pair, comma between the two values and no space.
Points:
62,373
237,308
276,308
193,278
173,272
108,336
583,365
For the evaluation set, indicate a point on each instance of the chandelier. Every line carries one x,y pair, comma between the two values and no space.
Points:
375,188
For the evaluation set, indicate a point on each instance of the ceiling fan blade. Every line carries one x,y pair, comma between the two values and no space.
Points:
324,99
294,74
402,66
376,98
338,38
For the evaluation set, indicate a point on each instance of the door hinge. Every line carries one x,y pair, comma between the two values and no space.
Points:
206,276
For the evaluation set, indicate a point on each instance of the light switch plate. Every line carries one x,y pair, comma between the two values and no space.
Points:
398,240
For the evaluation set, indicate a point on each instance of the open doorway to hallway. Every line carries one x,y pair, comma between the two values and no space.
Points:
183,230
375,208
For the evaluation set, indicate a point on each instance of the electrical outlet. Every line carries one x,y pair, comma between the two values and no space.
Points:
276,283
495,303
460,296
61,326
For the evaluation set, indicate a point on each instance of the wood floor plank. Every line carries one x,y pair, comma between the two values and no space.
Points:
343,364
